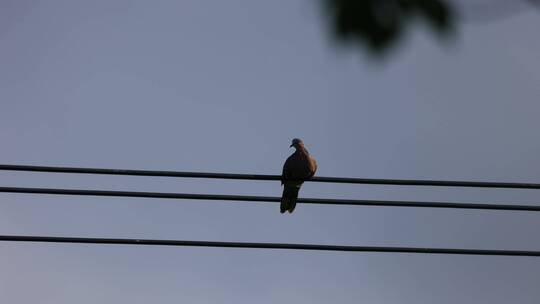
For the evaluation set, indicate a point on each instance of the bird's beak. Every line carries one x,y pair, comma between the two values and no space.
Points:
291,146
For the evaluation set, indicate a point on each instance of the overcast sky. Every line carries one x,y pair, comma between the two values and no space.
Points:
223,86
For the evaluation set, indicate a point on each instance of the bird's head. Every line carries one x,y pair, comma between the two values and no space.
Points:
297,143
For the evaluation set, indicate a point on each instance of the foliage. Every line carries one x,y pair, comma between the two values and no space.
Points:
378,24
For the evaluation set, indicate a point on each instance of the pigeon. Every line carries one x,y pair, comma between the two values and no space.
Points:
299,167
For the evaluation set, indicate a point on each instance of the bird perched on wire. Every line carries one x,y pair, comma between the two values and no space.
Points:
299,167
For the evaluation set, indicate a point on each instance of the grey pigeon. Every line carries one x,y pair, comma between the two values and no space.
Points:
299,167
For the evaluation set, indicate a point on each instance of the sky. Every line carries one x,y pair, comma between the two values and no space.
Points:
223,86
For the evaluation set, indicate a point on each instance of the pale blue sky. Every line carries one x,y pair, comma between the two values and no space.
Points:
223,86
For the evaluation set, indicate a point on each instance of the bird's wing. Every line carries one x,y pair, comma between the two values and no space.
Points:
287,169
313,166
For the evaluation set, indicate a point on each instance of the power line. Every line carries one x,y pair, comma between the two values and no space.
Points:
248,198
290,246
262,177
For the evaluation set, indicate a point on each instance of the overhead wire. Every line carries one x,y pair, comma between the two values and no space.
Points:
264,177
249,198
250,245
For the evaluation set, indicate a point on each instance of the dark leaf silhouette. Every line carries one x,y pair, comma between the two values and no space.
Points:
378,24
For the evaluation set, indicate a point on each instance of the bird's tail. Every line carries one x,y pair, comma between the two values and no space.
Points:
289,197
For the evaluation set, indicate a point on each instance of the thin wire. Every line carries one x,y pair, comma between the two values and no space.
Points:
153,242
343,180
218,197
